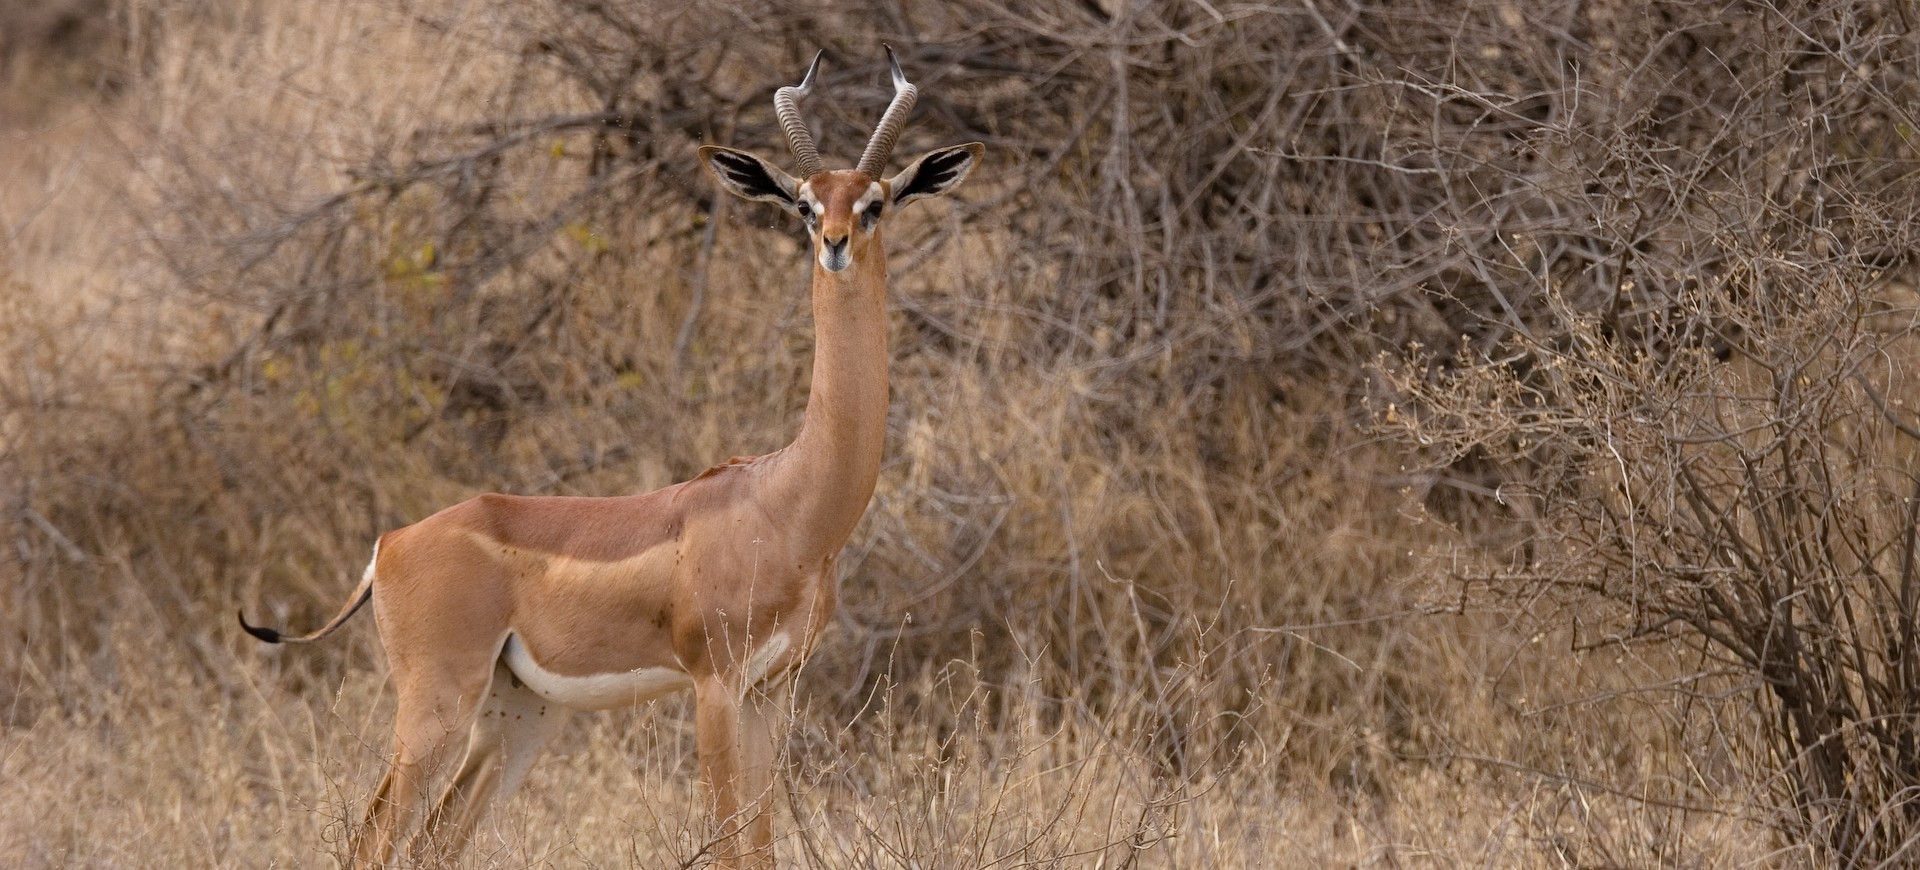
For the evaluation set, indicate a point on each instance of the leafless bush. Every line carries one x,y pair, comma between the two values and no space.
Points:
1687,291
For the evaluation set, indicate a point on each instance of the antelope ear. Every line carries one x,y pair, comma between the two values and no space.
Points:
747,176
935,173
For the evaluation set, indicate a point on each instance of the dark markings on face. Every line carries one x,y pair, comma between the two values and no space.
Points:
809,209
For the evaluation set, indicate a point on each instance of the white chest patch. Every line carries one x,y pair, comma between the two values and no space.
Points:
763,659
592,691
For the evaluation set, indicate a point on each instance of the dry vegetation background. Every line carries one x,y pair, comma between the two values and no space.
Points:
1325,433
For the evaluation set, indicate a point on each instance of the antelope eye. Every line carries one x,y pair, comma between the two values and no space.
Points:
873,212
806,211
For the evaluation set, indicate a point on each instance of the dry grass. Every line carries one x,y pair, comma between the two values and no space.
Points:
1141,586
263,774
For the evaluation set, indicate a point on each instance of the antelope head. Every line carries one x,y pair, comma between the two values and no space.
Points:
842,208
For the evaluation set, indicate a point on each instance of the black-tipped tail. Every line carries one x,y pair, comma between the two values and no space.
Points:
266,634
361,595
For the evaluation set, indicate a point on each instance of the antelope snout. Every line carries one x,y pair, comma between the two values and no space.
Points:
835,254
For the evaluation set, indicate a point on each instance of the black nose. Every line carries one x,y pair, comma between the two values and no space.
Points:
834,254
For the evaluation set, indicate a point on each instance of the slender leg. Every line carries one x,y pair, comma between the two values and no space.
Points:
513,727
716,723
437,694
736,745
763,726
423,733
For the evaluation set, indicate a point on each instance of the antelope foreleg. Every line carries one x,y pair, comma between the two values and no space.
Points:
737,738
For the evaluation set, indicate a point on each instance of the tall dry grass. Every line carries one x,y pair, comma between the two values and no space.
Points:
1142,584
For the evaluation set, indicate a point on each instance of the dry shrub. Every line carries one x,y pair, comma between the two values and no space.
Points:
1678,376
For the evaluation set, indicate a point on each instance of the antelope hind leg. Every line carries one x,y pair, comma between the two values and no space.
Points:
513,727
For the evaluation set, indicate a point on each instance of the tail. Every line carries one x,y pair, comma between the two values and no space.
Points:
361,595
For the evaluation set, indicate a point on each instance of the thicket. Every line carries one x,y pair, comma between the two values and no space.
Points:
1249,310
1684,320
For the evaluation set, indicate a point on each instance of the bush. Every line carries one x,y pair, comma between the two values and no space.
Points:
1683,385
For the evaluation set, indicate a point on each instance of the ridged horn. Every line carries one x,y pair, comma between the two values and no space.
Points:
874,159
786,106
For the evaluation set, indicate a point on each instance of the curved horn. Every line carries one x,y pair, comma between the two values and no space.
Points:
874,159
785,105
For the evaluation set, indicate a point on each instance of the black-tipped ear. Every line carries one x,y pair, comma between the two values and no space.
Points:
935,173
746,175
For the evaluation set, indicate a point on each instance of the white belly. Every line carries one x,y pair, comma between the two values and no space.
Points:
592,691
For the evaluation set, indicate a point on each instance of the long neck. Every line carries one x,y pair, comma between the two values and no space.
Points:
828,473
